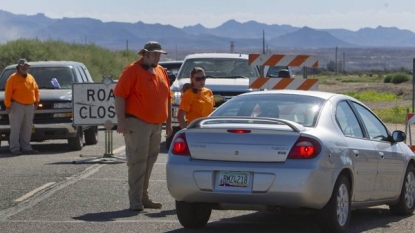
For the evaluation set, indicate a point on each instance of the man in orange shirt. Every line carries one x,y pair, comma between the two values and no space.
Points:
21,98
143,104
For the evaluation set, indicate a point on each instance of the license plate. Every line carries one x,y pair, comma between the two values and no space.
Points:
233,179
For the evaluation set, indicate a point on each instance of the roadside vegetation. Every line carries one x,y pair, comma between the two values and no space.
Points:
100,61
104,62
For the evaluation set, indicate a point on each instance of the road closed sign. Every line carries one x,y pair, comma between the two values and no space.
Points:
94,103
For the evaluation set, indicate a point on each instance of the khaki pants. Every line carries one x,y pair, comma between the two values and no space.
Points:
142,141
21,119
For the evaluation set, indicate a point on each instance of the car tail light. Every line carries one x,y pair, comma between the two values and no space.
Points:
179,145
239,131
305,148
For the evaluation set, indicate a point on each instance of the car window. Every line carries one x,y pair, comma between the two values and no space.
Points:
376,130
300,109
46,77
4,76
219,67
347,121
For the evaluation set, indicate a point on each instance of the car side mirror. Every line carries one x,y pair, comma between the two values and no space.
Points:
398,136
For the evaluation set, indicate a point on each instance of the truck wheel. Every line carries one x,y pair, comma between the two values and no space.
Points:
335,216
192,215
91,136
406,201
76,142
170,139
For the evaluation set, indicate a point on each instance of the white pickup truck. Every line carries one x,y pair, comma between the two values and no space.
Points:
230,73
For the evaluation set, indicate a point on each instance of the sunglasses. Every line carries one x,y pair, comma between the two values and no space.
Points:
200,78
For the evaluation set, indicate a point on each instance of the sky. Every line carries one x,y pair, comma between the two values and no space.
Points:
318,14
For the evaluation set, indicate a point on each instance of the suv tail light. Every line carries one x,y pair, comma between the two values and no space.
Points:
179,145
305,148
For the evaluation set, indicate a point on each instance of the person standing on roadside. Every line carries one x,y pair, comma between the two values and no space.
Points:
142,105
21,98
197,101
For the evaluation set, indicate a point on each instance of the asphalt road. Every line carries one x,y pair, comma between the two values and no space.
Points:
49,193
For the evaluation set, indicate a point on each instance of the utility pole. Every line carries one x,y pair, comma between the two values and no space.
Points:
337,66
263,41
344,63
232,47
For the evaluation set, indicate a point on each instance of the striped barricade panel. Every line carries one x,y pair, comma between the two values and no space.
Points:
283,83
410,118
283,60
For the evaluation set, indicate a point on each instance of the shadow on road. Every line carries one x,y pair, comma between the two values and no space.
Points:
115,215
107,216
364,220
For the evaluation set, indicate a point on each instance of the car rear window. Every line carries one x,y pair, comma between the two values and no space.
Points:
300,109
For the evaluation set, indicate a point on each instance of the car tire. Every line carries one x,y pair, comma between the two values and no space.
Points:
170,139
335,215
192,215
76,143
406,201
91,136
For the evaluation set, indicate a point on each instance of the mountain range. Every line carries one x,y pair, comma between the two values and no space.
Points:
245,37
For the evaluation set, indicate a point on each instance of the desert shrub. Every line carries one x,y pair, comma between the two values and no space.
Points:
400,78
396,78
388,78
372,96
395,115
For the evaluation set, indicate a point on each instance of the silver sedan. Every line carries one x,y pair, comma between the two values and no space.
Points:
273,150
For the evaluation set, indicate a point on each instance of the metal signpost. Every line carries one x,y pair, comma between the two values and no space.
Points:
94,104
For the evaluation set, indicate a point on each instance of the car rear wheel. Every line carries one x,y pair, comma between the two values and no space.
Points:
192,215
406,202
91,136
335,216
76,142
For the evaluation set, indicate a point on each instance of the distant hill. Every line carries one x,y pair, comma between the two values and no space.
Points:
245,37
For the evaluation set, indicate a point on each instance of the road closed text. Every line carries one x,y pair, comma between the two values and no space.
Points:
98,111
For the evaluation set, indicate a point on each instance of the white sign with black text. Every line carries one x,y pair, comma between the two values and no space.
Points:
94,103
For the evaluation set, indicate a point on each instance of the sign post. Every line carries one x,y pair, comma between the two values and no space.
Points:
94,104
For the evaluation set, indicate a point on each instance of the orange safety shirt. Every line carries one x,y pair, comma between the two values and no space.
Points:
198,104
146,94
20,89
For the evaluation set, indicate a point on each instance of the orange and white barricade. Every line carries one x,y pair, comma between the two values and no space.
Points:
269,83
410,120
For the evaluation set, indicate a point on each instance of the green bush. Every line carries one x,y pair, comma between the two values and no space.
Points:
396,78
388,78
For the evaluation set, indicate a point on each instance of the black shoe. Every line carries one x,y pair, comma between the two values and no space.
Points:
30,152
16,152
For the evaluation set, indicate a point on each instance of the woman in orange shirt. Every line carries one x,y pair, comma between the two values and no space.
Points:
197,101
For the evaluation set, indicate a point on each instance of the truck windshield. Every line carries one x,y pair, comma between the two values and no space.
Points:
220,68
46,77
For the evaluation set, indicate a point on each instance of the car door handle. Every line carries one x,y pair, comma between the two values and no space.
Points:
356,153
382,155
